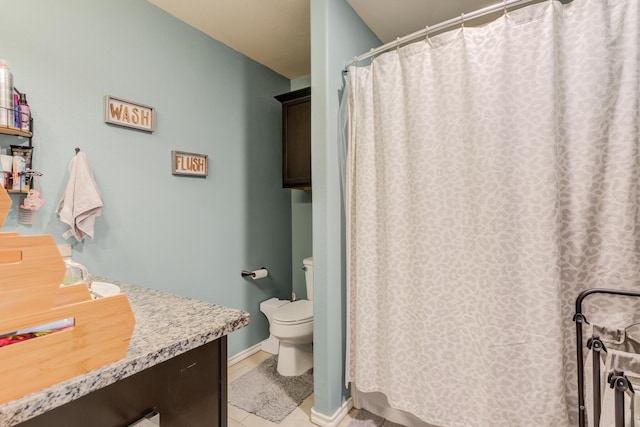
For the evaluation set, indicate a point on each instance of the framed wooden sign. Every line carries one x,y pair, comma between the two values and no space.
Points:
121,112
192,164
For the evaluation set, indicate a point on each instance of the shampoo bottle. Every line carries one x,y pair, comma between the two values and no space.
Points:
16,111
25,113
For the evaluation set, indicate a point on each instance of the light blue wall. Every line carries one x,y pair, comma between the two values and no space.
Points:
189,236
301,222
301,241
337,35
301,82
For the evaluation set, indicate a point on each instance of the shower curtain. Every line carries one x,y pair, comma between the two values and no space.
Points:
492,174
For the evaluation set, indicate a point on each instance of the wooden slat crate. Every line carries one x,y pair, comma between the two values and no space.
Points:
31,270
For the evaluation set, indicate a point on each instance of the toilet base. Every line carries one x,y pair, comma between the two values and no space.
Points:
270,345
294,359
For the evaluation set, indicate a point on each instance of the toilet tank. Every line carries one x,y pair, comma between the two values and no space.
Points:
308,276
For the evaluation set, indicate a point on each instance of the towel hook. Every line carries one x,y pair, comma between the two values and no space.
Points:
77,150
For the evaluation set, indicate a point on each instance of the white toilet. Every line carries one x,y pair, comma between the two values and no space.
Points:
268,308
292,325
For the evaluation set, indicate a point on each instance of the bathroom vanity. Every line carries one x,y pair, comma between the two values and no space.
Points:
176,365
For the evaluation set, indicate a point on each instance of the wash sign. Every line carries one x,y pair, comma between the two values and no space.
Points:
121,112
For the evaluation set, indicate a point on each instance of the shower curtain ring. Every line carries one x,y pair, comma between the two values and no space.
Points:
462,20
504,3
426,32
397,42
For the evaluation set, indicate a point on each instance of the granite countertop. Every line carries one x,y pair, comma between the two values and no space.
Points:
166,326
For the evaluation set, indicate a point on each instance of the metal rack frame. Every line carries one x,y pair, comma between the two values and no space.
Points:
579,318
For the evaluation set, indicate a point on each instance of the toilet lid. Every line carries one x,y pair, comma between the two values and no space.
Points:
297,312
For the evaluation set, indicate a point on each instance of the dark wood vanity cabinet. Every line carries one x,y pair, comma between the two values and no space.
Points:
296,138
188,390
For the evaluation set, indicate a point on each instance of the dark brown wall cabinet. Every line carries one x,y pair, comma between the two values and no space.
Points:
296,138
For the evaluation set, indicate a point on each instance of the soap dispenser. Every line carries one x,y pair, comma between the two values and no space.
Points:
75,273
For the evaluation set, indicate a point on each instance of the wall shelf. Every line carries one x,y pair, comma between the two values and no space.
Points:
20,133
15,132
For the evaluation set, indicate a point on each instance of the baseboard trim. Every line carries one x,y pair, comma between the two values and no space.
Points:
333,420
244,354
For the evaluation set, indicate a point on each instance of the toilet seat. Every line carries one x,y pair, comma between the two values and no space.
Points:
297,312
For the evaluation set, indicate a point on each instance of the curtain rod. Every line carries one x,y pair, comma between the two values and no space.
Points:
443,25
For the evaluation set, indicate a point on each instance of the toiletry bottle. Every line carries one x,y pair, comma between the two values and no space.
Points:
19,168
25,113
16,111
6,95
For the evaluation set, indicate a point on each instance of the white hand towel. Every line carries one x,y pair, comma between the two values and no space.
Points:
81,202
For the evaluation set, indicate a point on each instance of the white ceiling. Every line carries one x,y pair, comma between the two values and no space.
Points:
392,19
276,33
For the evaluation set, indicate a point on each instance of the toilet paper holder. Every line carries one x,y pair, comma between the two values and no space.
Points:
255,274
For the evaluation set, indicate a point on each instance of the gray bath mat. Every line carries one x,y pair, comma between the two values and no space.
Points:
367,419
269,395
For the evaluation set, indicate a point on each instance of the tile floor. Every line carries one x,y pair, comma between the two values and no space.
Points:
300,417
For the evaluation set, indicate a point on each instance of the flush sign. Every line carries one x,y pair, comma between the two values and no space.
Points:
121,112
192,164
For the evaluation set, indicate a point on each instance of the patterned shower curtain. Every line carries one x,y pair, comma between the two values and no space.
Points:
492,175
